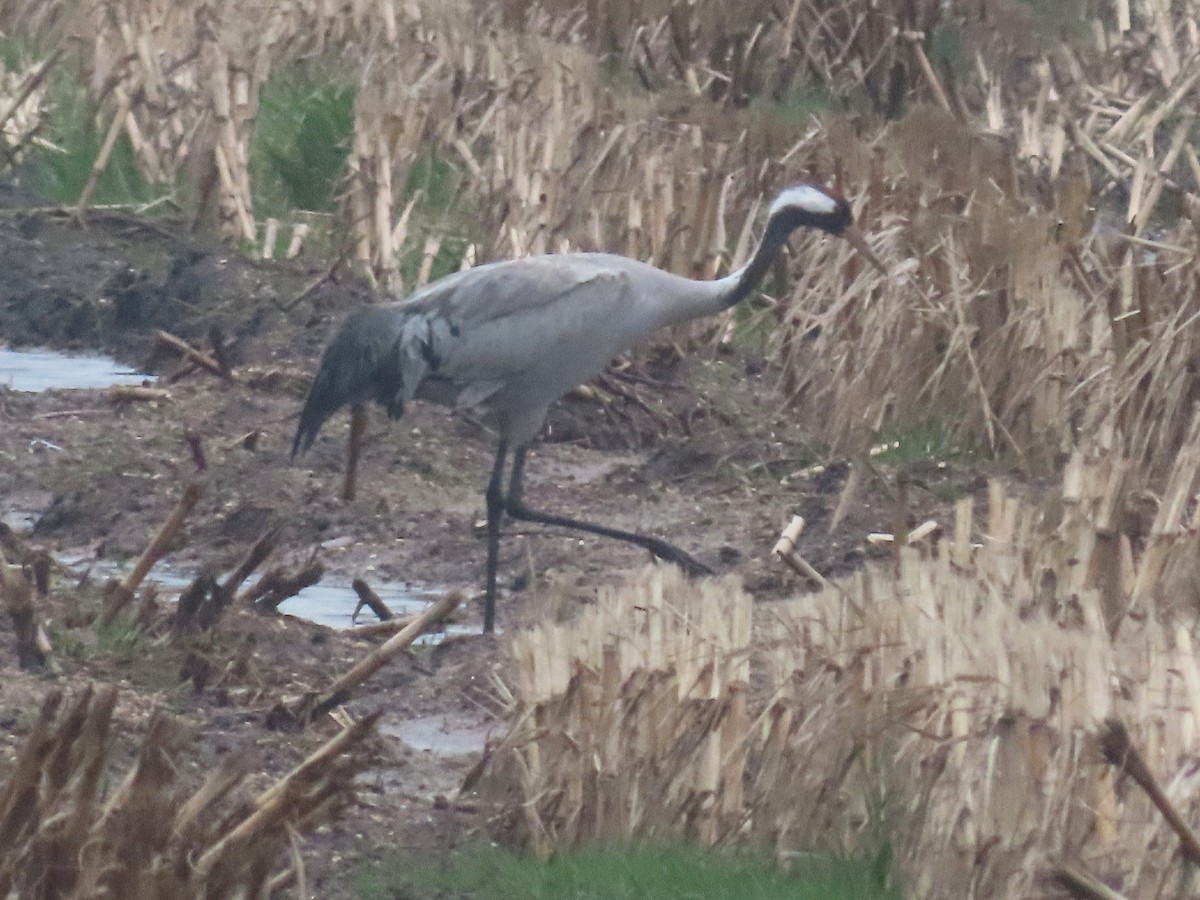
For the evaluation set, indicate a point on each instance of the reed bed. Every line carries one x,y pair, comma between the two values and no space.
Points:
951,705
67,833
1037,204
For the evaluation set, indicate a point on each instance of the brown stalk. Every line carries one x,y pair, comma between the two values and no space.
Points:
379,629
1079,883
1121,753
196,445
120,594
262,548
101,163
367,597
278,585
358,429
339,692
203,360
274,805
15,588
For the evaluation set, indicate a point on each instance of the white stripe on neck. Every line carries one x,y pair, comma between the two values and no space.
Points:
806,197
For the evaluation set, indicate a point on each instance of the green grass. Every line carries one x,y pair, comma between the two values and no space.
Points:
121,639
67,642
298,157
442,209
301,139
919,442
77,132
796,105
640,874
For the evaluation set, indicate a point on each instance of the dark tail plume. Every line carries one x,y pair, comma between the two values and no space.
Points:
361,363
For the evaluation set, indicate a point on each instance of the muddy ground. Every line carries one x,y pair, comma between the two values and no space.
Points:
697,458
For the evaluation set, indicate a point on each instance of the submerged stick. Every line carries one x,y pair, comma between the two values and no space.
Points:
368,597
339,691
120,594
358,428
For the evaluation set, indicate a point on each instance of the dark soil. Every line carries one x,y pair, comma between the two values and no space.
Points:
697,458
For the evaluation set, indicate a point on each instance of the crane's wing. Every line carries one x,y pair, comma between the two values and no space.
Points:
523,316
471,333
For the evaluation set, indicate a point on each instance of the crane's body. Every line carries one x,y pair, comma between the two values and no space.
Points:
510,338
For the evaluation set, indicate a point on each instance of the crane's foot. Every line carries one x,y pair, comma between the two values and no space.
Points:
665,551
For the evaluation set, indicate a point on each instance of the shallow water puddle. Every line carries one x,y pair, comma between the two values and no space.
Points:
444,735
330,605
43,370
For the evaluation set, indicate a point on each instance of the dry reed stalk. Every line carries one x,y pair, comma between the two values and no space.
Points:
101,163
785,549
149,837
964,684
194,356
16,590
339,692
119,594
358,431
633,705
31,83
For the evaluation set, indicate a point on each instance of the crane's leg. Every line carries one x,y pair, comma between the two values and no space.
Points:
516,508
495,511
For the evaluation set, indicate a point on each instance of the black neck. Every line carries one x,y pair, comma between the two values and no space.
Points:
778,229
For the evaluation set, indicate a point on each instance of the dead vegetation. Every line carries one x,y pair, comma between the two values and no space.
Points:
956,703
1033,184
1028,201
65,833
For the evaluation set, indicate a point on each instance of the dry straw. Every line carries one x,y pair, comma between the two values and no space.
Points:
1042,296
946,703
63,833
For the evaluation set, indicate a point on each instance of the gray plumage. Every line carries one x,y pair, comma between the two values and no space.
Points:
510,338
507,338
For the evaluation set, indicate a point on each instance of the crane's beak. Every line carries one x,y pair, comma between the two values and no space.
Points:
859,243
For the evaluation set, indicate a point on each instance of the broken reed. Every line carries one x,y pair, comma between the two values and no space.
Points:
65,832
946,703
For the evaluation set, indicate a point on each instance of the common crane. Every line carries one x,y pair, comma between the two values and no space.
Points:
509,338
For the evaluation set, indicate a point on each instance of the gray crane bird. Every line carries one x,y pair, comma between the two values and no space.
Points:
509,338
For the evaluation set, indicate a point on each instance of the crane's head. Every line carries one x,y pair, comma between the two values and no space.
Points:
816,206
